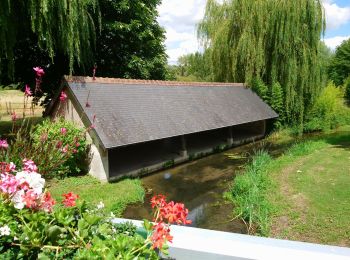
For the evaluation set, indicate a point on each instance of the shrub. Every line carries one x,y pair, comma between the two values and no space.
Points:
69,138
32,227
347,89
328,111
49,159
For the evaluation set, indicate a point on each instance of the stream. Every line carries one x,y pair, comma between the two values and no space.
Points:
200,185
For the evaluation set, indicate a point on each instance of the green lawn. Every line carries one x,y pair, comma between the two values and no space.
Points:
115,196
313,194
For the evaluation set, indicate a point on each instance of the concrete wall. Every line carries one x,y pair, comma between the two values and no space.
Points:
71,111
194,243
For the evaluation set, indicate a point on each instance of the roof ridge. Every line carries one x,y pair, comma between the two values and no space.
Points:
84,79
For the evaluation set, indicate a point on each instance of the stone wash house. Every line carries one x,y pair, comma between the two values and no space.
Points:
143,126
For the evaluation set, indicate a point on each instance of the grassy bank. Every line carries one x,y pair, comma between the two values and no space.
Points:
301,195
115,196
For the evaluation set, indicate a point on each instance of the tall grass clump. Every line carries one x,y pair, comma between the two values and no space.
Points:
248,194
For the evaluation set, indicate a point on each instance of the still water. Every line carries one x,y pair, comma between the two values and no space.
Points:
200,185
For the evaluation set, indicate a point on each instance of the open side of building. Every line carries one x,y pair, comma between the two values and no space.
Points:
143,126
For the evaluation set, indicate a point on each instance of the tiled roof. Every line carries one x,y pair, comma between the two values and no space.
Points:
147,82
133,111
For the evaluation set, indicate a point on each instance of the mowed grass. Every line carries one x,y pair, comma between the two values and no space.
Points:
312,194
116,196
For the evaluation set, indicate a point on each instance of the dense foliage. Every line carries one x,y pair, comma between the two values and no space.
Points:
196,65
32,226
68,137
131,42
339,67
328,111
249,39
56,26
347,89
119,38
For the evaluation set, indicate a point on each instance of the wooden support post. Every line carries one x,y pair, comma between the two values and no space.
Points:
230,137
183,152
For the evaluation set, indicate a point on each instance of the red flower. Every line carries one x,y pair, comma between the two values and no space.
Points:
161,235
70,199
47,202
158,201
63,96
59,144
29,198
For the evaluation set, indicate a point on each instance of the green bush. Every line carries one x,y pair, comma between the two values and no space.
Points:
67,136
347,89
49,160
79,232
328,111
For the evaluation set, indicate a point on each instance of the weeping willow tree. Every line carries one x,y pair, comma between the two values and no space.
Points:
59,25
273,40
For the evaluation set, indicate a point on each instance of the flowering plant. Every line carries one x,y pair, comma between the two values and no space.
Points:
33,226
69,139
165,214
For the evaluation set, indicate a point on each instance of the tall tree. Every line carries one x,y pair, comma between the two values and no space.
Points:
339,67
131,43
275,40
196,64
64,26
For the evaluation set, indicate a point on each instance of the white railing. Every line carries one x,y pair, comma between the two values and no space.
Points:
195,243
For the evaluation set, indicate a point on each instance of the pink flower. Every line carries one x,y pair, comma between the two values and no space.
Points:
27,91
11,167
47,202
70,199
14,116
63,96
63,130
39,71
161,234
8,184
29,166
64,149
3,144
30,199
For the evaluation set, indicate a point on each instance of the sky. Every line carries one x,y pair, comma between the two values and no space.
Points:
179,18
